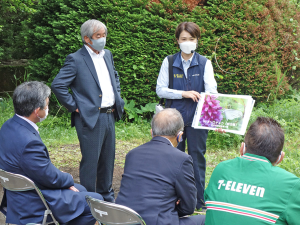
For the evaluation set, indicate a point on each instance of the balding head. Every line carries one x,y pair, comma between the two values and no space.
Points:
167,122
265,137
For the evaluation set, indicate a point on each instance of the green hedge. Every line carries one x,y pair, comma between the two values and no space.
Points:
13,12
255,37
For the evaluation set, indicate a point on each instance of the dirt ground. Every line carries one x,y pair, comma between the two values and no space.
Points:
118,171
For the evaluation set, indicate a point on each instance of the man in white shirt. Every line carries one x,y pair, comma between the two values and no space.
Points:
95,104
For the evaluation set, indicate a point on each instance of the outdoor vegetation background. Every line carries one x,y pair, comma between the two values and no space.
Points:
246,40
253,45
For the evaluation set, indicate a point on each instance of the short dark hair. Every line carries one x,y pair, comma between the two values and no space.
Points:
265,137
190,27
29,96
167,122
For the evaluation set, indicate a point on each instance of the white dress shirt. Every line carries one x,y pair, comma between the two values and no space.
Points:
162,86
108,96
30,122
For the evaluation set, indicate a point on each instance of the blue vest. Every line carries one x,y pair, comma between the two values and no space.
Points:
193,82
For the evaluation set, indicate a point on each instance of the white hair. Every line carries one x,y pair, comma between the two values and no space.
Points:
89,27
167,122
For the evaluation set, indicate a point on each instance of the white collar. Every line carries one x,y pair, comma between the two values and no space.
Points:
91,52
30,122
189,60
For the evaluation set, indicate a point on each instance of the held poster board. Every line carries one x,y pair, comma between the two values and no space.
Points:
229,112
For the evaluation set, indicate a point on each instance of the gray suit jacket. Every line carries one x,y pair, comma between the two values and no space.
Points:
79,74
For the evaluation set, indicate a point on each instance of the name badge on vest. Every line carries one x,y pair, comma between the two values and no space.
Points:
178,75
196,75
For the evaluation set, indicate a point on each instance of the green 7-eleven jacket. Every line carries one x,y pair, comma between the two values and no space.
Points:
249,190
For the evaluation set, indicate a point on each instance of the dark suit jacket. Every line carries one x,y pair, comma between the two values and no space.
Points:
23,152
80,75
156,175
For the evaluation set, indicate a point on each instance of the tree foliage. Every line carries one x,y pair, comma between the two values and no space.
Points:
13,12
254,38
138,38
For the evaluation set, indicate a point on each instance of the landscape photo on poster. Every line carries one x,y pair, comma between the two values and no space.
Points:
229,112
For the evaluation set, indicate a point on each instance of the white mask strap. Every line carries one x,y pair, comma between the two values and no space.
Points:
279,157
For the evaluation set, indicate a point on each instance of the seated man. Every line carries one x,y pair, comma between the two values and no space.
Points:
250,189
23,152
158,180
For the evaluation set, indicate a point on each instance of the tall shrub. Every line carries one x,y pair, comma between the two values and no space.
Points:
254,37
13,12
138,38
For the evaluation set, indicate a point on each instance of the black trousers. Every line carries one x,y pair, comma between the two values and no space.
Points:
192,220
196,141
98,154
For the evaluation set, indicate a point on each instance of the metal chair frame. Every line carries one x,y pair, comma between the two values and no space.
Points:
113,214
17,182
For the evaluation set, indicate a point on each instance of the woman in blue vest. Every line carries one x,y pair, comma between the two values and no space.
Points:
192,74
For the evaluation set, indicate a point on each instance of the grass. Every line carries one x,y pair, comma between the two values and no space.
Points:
63,146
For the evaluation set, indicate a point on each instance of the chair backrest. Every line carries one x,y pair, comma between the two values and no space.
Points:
113,214
17,182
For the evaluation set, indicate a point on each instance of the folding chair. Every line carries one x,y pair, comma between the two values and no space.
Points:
16,182
112,214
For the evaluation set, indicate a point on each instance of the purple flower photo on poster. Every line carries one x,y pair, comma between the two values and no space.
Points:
211,114
229,112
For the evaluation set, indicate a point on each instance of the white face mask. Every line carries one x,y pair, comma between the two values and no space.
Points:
187,47
46,114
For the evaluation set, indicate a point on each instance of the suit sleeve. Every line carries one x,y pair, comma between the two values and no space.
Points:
37,166
62,81
116,75
185,188
292,214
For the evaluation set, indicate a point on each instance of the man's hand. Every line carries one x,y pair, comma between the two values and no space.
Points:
73,189
177,203
191,94
77,110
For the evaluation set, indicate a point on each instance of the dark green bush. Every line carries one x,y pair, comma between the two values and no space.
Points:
255,36
13,12
138,38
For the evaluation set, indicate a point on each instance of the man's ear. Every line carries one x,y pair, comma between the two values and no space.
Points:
242,148
87,39
280,158
151,133
36,111
179,138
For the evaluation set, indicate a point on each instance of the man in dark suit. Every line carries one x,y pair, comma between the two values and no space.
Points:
158,180
23,152
95,103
